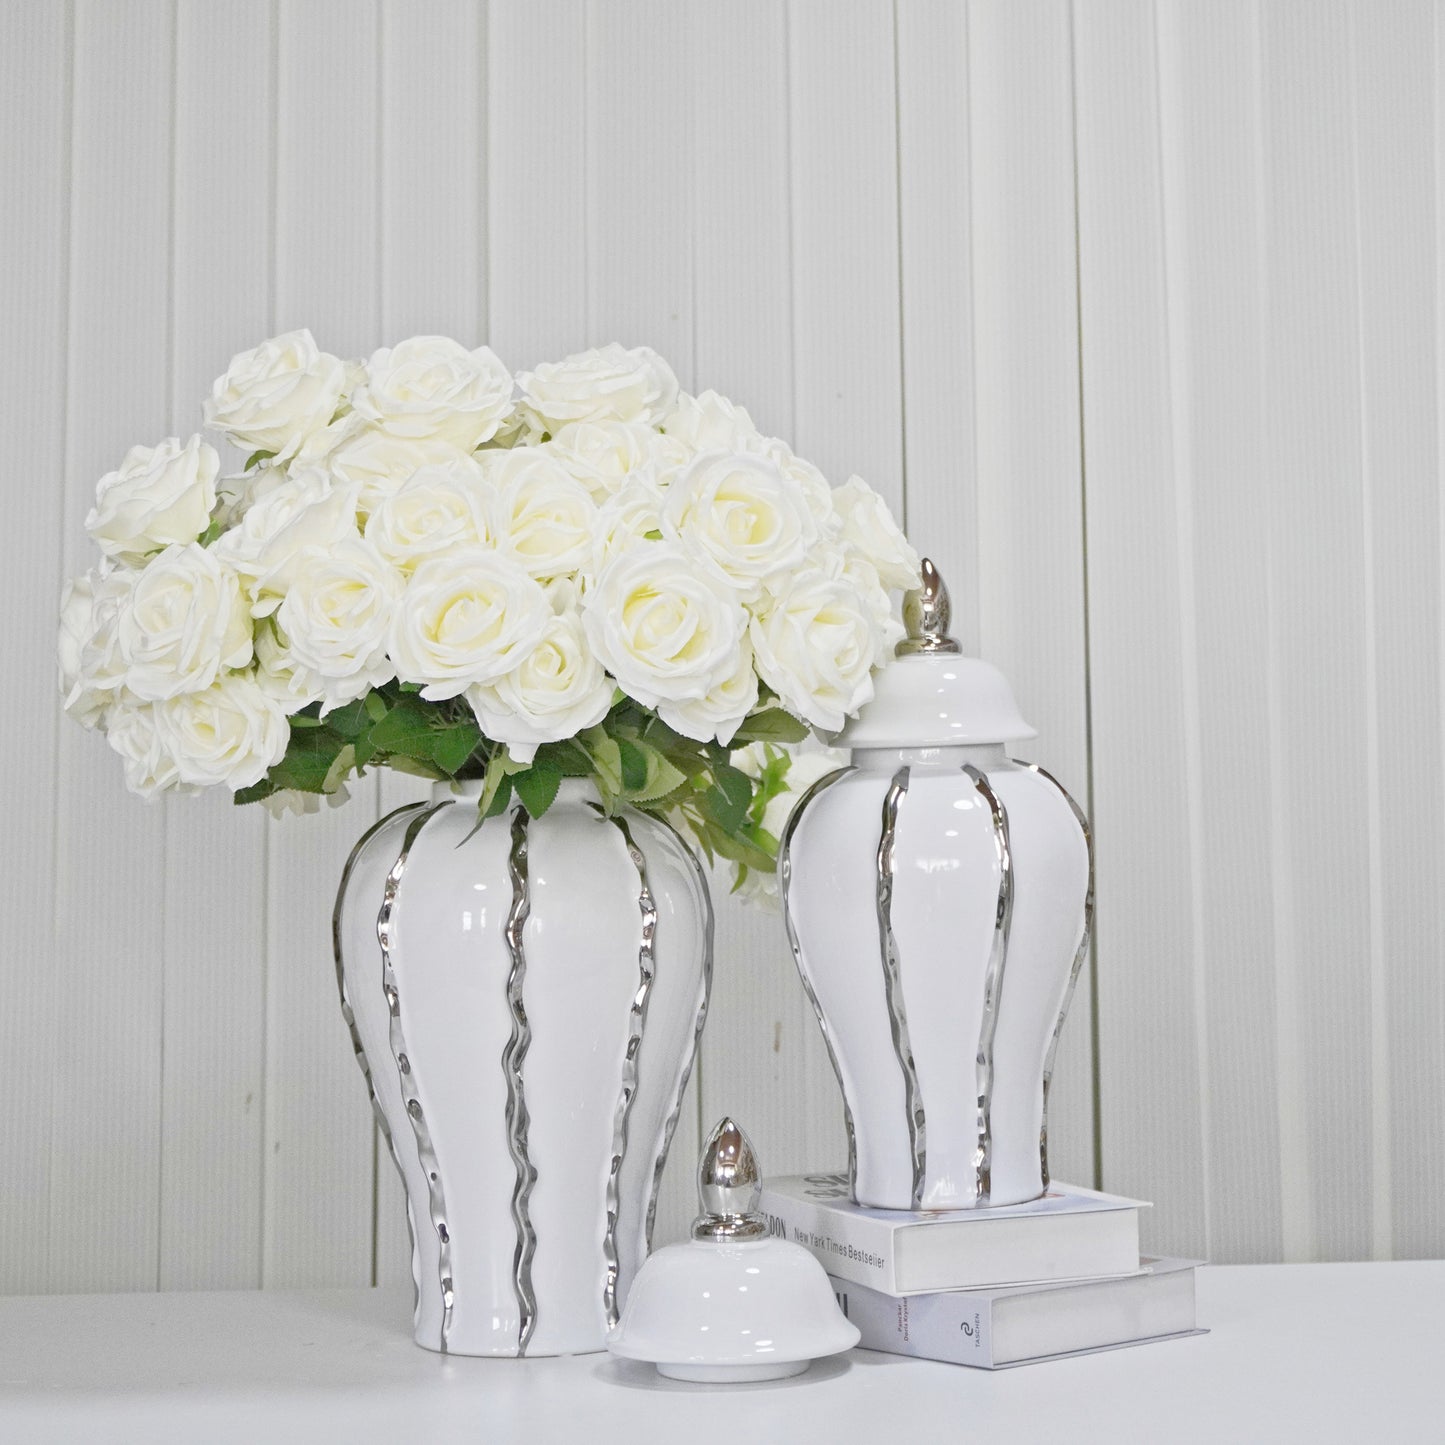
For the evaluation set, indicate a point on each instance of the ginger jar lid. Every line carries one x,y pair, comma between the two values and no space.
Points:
932,696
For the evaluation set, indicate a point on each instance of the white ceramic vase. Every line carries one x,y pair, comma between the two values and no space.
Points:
938,898
525,1000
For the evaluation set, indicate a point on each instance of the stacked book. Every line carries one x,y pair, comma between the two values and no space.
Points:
988,1287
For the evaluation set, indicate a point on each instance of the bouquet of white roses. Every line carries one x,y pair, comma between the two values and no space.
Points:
428,564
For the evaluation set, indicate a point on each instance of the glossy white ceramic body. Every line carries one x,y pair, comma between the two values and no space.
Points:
942,1065
758,1310
529,1092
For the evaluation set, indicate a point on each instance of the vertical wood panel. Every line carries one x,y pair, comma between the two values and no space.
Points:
34,176
319,1135
1317,630
753,1055
1141,641
536,180
1026,434
214,1011
847,381
1396,148
106,1047
1210,147
936,302
433,281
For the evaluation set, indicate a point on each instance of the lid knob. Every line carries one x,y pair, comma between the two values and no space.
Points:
926,614
729,1186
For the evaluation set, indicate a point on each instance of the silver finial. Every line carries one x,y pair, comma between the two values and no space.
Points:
729,1186
926,614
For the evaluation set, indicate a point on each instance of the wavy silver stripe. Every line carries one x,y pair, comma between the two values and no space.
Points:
425,1153
1079,956
349,1015
893,985
670,1127
513,1057
785,879
993,986
637,1017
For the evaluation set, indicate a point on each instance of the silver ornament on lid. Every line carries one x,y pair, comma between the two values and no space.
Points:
926,614
729,1185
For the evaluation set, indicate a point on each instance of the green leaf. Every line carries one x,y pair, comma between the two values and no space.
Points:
634,765
407,728
375,706
348,719
415,767
300,720
662,777
214,530
653,534
261,456
499,800
728,798
773,725
255,792
537,787
453,746
606,758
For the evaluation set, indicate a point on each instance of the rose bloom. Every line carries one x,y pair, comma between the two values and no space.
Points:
815,642
555,691
465,618
273,397
232,732
544,517
432,386
181,622
337,617
158,496
740,514
665,628
442,507
611,383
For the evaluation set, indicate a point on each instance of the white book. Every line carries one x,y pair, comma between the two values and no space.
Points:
1071,1233
995,1328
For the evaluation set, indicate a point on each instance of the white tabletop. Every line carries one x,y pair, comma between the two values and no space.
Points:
1345,1352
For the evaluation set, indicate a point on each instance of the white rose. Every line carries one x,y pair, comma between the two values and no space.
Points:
554,692
868,525
544,517
464,618
304,514
379,464
158,496
86,705
720,714
231,733
630,517
432,386
275,396
291,684
132,733
610,384
739,513
181,622
336,618
602,455
99,668
710,423
815,643
812,483
442,507
888,624
665,628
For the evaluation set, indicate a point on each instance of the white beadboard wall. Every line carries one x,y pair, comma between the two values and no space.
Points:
1132,309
